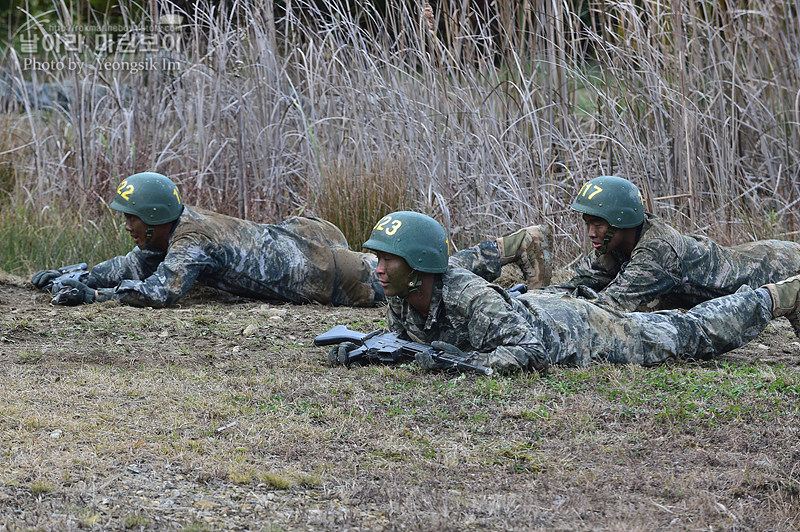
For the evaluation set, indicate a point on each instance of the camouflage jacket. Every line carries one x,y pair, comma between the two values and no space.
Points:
540,328
299,260
290,261
669,270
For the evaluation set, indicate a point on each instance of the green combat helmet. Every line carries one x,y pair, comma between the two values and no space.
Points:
614,199
417,238
152,197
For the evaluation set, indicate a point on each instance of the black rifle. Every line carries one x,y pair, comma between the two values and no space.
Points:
60,291
388,347
79,272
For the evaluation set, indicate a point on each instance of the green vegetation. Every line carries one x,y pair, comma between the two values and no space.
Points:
32,240
197,527
276,481
41,487
28,357
136,521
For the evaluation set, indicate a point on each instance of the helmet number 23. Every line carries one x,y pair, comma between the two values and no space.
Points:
388,225
125,190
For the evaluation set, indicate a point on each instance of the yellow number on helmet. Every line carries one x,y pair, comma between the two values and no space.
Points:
381,223
394,227
125,190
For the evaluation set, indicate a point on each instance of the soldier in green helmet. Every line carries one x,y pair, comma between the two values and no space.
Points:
299,260
451,309
642,263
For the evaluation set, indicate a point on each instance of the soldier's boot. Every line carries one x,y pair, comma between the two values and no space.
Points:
530,249
786,300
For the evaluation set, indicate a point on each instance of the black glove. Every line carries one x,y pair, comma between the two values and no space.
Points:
337,356
43,278
76,294
425,359
449,348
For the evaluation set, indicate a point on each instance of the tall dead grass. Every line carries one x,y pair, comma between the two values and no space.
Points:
491,121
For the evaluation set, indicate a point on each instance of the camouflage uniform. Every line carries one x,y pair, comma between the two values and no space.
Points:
299,260
669,270
540,328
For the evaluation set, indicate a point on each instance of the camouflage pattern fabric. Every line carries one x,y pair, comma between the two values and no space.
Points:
139,264
295,260
482,259
299,260
670,270
539,328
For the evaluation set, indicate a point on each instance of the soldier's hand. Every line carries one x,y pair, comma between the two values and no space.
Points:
42,278
74,293
425,361
449,348
338,354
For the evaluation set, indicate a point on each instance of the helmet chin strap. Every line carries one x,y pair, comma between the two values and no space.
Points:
148,235
413,285
150,231
602,250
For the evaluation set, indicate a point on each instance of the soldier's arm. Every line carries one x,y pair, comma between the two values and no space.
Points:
174,277
499,333
138,264
591,272
648,276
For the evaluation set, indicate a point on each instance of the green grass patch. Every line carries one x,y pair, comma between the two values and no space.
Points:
40,487
34,239
135,520
697,394
276,481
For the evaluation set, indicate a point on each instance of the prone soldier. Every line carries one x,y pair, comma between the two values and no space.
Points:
640,262
299,260
434,303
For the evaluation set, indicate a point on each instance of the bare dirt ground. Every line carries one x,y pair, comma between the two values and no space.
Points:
220,414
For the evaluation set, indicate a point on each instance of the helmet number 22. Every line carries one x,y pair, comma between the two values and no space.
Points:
125,190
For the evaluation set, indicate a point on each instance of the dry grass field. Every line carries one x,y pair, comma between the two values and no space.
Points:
488,116
221,415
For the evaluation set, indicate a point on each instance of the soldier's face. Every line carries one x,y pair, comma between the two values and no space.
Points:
392,272
137,229
597,229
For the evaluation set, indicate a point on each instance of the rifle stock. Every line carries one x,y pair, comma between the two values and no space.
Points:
337,335
58,289
78,272
388,347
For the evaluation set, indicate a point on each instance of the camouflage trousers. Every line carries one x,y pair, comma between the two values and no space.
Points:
595,333
531,261
353,274
482,259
